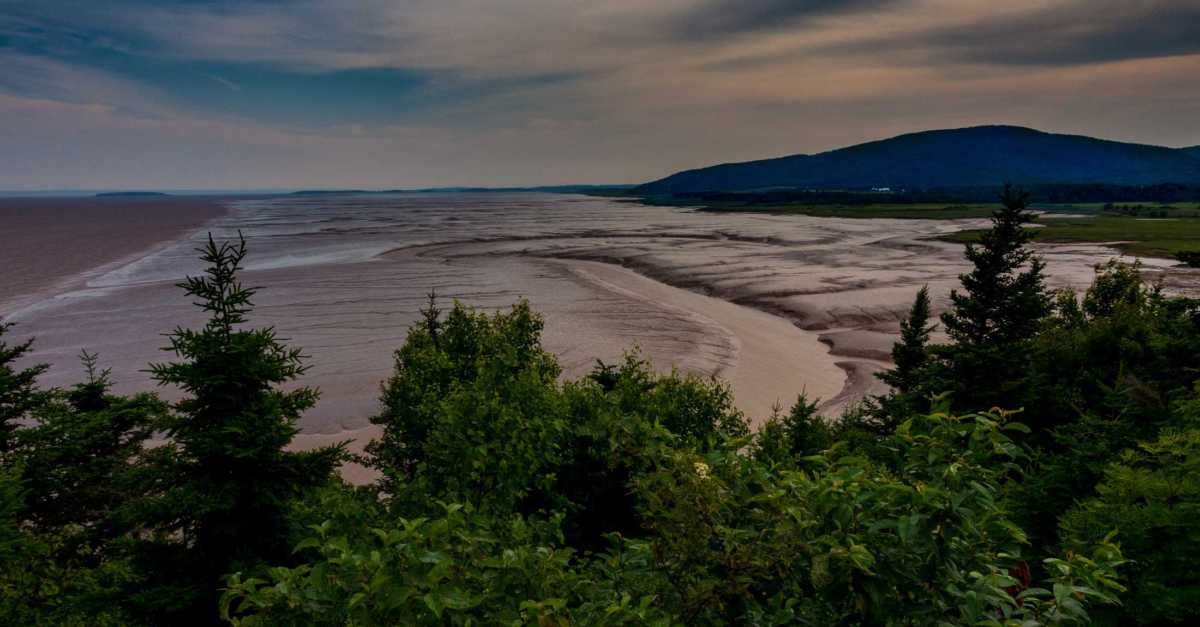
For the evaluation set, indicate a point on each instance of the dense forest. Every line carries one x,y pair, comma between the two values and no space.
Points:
1042,467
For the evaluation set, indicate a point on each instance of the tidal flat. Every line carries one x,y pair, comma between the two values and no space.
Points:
778,305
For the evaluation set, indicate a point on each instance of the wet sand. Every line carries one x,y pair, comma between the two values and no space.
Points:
777,305
773,360
53,244
770,360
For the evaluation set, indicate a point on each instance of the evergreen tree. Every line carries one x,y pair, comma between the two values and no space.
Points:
19,393
909,376
68,472
1001,307
77,455
910,354
225,481
786,438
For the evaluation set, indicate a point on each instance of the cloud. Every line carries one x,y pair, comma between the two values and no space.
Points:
46,78
304,67
1057,34
716,19
422,92
226,83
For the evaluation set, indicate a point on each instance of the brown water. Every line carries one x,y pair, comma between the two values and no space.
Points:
50,244
345,277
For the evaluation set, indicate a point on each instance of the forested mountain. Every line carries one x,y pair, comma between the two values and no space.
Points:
972,156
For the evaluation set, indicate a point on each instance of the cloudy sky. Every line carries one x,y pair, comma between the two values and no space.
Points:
103,94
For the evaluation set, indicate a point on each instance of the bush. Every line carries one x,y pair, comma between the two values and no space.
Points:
1151,497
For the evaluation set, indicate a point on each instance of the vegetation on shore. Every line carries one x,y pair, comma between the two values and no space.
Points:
1162,201
1176,230
508,496
864,210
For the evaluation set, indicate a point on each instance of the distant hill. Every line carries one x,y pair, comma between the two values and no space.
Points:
556,189
976,156
129,194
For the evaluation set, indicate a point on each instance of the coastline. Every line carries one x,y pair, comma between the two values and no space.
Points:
774,360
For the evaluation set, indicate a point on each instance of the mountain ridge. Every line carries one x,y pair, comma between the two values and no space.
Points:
971,156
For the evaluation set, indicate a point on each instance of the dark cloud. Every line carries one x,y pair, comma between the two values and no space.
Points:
1077,33
716,19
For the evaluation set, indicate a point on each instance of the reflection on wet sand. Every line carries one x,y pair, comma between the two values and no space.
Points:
777,304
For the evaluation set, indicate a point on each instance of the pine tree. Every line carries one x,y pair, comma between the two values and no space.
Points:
226,480
1001,307
910,354
19,393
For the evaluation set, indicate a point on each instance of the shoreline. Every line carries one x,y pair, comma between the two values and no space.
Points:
858,348
771,353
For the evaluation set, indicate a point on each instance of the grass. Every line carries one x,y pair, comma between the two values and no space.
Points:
912,211
881,210
1134,236
1159,229
1177,209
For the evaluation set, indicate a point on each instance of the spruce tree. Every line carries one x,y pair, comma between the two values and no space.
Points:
77,454
1001,307
225,481
910,373
19,393
910,354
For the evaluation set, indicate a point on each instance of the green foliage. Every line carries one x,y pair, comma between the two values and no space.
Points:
1125,351
76,457
466,385
1001,307
437,359
60,481
19,394
1117,287
1003,297
459,567
1152,497
724,539
696,410
909,376
851,543
473,409
50,577
910,354
622,431
789,438
219,490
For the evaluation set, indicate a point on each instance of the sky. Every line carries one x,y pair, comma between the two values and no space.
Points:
258,94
